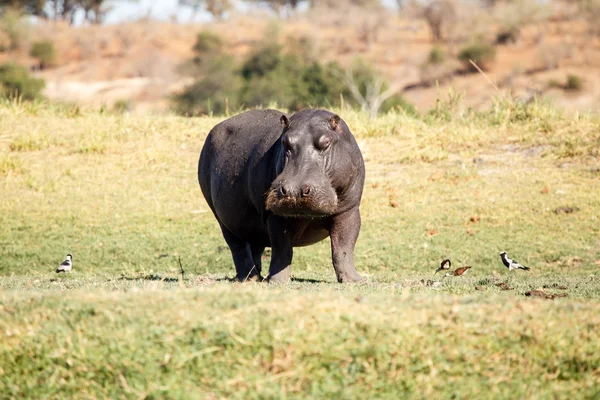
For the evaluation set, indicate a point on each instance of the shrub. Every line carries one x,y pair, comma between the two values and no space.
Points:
215,92
288,81
17,81
371,91
262,61
319,85
398,102
43,51
207,42
14,26
508,35
574,83
437,55
268,76
483,54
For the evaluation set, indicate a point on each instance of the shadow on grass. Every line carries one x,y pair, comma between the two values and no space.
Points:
298,280
155,277
151,277
309,280
227,279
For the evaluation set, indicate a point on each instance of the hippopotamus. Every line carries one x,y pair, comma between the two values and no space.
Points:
277,181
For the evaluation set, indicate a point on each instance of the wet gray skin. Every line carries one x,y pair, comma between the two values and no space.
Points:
279,182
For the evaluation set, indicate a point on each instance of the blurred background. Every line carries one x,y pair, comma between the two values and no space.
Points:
197,57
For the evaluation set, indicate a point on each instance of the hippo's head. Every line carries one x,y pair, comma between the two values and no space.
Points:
319,167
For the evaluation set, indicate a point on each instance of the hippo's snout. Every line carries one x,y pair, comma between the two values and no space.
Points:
287,190
305,199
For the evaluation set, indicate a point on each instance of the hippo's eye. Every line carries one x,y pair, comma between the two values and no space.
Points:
324,142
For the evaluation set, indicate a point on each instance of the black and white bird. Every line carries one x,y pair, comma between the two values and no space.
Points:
510,263
446,264
66,265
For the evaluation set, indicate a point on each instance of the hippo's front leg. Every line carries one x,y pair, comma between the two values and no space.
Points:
344,232
280,269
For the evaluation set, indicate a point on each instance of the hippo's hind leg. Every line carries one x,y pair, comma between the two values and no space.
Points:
242,257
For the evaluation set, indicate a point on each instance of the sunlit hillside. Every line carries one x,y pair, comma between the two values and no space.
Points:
139,61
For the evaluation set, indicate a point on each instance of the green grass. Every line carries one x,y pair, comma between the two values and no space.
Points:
254,342
120,193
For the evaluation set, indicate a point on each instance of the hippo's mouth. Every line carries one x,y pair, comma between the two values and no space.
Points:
319,205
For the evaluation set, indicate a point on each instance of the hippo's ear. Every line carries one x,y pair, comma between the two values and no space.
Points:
285,122
334,121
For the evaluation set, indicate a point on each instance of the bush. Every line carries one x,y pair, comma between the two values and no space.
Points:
508,35
319,85
17,81
207,42
14,26
268,76
398,103
437,55
289,81
262,61
215,92
483,54
43,51
574,83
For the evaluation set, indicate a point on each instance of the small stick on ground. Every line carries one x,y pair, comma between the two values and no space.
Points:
248,276
181,268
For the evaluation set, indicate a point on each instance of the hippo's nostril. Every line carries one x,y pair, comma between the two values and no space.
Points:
283,191
305,190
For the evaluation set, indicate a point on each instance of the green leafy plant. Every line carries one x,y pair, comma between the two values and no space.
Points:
482,54
574,83
16,81
437,55
43,51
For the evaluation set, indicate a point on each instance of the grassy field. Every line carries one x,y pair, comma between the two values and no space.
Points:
120,193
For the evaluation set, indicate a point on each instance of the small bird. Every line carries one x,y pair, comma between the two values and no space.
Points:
510,263
458,271
66,265
446,264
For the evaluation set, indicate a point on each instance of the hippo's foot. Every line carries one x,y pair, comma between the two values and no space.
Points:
350,277
282,276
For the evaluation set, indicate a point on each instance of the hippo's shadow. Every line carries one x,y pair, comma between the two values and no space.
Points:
151,277
293,279
226,279
309,280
